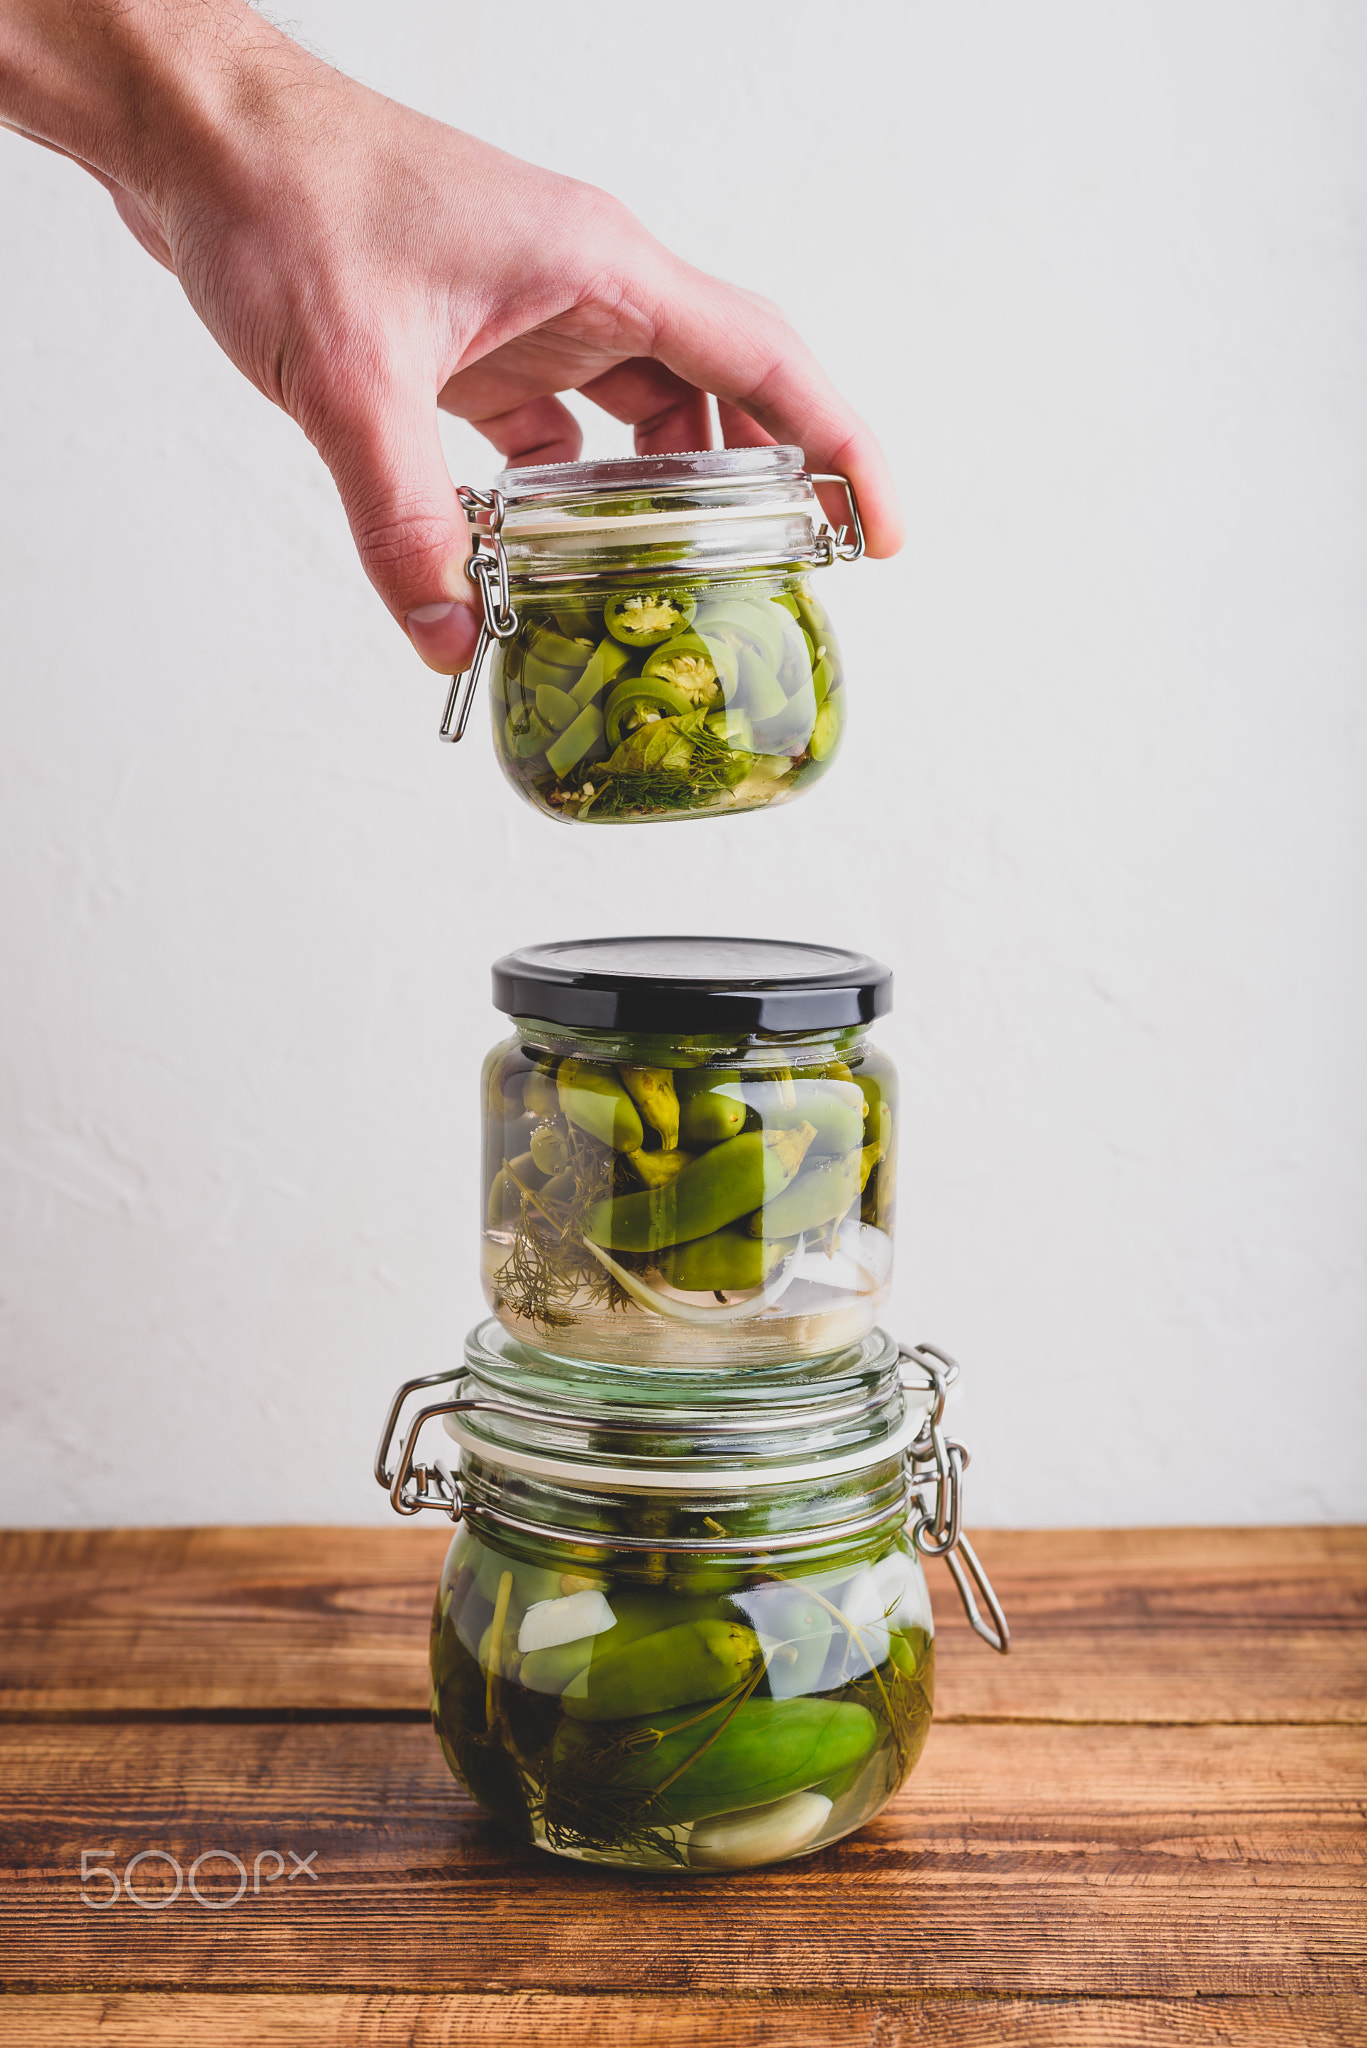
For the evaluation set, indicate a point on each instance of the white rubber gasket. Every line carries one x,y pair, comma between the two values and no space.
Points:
514,527
706,1479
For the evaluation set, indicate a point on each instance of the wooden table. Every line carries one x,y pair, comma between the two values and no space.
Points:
1145,1826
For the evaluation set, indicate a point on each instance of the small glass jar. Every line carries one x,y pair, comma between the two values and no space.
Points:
658,651
685,1638
689,1150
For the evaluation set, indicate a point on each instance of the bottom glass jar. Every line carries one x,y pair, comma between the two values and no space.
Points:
686,1640
608,1705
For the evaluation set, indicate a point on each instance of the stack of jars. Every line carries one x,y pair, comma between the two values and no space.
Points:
683,1624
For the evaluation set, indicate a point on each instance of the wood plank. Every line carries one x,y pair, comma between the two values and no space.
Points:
164,1620
534,2019
1260,1625
1022,1861
1161,1625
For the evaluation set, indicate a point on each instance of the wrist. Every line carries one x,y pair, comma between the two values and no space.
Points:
134,91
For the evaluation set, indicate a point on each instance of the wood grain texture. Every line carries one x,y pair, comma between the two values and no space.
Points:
539,2019
1161,1625
262,1620
1022,1860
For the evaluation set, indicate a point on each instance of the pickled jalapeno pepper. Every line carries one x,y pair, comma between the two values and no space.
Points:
668,702
698,1196
654,1194
608,1717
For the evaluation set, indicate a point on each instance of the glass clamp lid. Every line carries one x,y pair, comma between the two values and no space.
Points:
897,1415
703,513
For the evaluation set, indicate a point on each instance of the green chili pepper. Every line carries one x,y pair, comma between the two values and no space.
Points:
556,650
709,1116
605,665
658,1169
637,1614
578,620
717,1762
823,675
575,741
836,1110
548,1147
826,732
729,1181
823,1194
791,729
761,693
652,1090
695,1660
635,697
593,1097
645,618
911,1651
729,1261
555,706
539,1093
525,734
751,620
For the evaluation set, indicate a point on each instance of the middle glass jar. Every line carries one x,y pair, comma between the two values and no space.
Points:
690,1150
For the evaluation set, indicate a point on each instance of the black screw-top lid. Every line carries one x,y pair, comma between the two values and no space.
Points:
692,984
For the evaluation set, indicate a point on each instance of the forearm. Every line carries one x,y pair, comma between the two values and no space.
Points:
129,86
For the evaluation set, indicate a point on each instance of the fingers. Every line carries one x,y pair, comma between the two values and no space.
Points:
542,430
726,341
670,416
406,520
738,430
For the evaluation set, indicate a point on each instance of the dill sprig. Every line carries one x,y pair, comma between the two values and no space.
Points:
549,1279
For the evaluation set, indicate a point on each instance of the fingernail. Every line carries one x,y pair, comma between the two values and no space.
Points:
444,635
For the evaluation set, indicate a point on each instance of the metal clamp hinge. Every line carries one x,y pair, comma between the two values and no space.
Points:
844,543
410,1487
937,1467
487,569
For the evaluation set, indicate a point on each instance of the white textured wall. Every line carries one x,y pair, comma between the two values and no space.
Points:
1097,274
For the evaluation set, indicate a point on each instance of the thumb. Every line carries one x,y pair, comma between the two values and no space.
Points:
407,524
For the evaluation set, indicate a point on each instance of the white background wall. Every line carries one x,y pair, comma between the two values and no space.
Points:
1097,274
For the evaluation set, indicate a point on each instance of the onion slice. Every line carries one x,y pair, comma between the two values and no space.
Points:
686,1311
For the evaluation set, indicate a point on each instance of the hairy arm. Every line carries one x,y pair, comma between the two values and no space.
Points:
364,265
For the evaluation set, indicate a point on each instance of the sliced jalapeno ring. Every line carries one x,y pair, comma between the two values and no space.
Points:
646,618
641,694
687,662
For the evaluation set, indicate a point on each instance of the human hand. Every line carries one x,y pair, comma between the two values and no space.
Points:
364,265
